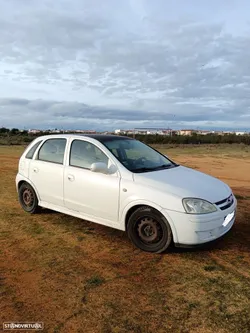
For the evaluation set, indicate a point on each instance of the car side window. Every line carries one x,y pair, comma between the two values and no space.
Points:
83,154
32,150
52,151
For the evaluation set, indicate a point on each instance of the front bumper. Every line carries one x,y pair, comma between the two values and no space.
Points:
189,230
199,245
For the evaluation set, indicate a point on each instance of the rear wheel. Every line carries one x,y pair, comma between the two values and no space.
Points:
27,198
149,230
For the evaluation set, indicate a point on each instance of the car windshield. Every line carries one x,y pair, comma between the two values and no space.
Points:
137,156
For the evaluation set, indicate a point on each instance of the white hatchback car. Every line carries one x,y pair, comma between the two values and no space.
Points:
125,184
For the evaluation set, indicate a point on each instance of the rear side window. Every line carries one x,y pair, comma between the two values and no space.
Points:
52,151
32,150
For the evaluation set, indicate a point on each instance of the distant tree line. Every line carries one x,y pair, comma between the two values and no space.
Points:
16,137
193,139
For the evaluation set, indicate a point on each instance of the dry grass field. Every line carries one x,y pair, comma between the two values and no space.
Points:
77,276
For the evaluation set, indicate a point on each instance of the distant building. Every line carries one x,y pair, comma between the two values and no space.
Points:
241,133
228,132
121,132
86,131
34,131
219,132
153,131
203,132
170,132
146,131
187,132
149,130
80,131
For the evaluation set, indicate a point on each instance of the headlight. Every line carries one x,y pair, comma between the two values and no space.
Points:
198,206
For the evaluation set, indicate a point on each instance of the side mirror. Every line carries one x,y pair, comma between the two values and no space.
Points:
103,168
99,167
112,169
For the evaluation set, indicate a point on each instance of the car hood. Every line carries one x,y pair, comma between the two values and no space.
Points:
185,182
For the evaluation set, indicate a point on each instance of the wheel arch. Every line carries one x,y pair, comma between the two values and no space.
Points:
22,181
130,210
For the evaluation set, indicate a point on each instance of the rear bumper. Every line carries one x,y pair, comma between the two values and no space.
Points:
197,230
17,180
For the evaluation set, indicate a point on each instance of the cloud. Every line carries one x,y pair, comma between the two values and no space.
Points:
65,61
47,114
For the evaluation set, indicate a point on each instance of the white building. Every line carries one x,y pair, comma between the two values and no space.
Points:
34,131
152,131
241,133
118,131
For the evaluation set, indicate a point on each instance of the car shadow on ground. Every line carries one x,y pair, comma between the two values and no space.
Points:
232,240
47,211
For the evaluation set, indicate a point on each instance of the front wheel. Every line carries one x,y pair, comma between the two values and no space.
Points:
149,230
27,198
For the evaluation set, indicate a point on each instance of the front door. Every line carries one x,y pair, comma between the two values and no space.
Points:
93,194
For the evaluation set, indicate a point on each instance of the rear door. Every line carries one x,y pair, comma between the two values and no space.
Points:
46,171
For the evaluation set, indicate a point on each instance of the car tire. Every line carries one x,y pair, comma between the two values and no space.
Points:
149,230
28,198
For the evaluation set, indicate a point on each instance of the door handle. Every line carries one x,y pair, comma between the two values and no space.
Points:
35,170
71,178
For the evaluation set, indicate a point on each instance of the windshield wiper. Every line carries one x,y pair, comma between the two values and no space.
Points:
142,169
164,166
160,167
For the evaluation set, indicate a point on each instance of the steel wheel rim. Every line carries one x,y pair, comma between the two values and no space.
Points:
28,197
149,230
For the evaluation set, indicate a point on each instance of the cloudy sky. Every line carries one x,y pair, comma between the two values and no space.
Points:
106,64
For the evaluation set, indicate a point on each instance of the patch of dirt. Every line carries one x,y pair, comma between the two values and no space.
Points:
78,276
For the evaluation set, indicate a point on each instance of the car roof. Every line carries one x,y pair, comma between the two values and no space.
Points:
106,137
98,137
